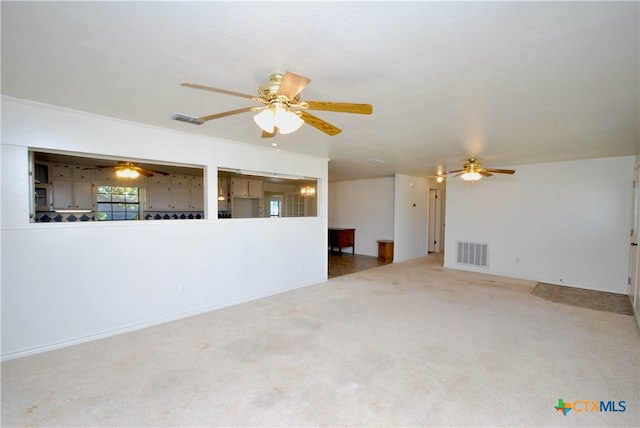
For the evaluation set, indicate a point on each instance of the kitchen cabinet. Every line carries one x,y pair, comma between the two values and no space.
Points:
246,188
158,179
163,198
180,198
157,198
197,182
75,195
61,171
81,173
180,180
197,198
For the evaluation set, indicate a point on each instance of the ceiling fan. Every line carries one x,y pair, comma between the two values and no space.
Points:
131,170
281,110
473,171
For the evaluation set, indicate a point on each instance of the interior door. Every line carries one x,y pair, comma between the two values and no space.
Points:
634,280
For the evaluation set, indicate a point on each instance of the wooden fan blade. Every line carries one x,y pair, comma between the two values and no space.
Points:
150,171
106,166
292,84
266,134
501,171
226,113
340,107
485,173
454,171
146,173
320,124
221,91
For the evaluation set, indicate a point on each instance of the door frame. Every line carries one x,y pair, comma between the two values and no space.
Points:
434,225
633,290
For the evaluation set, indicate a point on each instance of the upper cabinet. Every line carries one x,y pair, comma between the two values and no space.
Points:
74,195
246,188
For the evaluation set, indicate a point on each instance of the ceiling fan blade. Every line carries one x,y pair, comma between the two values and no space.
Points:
144,172
454,171
501,171
340,107
320,124
292,84
221,91
226,113
266,134
106,166
485,173
150,171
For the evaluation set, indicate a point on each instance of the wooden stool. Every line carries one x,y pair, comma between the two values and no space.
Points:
385,250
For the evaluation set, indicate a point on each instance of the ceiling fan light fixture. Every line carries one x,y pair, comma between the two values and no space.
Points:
127,173
265,120
471,176
287,121
440,178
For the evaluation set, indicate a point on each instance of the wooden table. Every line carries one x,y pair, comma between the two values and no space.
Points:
342,238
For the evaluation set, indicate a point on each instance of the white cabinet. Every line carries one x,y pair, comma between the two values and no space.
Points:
61,171
158,198
75,195
197,182
158,179
255,188
180,198
163,198
180,180
245,188
81,173
197,198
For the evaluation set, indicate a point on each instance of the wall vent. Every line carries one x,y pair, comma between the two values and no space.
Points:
472,254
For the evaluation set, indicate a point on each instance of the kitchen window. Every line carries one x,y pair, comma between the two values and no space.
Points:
118,203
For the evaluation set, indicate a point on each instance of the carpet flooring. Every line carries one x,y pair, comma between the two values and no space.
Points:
406,344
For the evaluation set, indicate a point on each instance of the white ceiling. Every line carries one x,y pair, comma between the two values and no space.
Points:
507,82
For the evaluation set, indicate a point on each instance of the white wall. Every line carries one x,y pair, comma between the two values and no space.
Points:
367,206
66,283
562,223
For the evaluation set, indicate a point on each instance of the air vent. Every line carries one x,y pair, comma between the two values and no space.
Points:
184,118
472,254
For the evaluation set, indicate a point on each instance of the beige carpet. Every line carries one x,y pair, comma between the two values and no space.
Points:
406,344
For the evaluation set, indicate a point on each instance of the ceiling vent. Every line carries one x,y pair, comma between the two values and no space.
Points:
184,118
376,161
